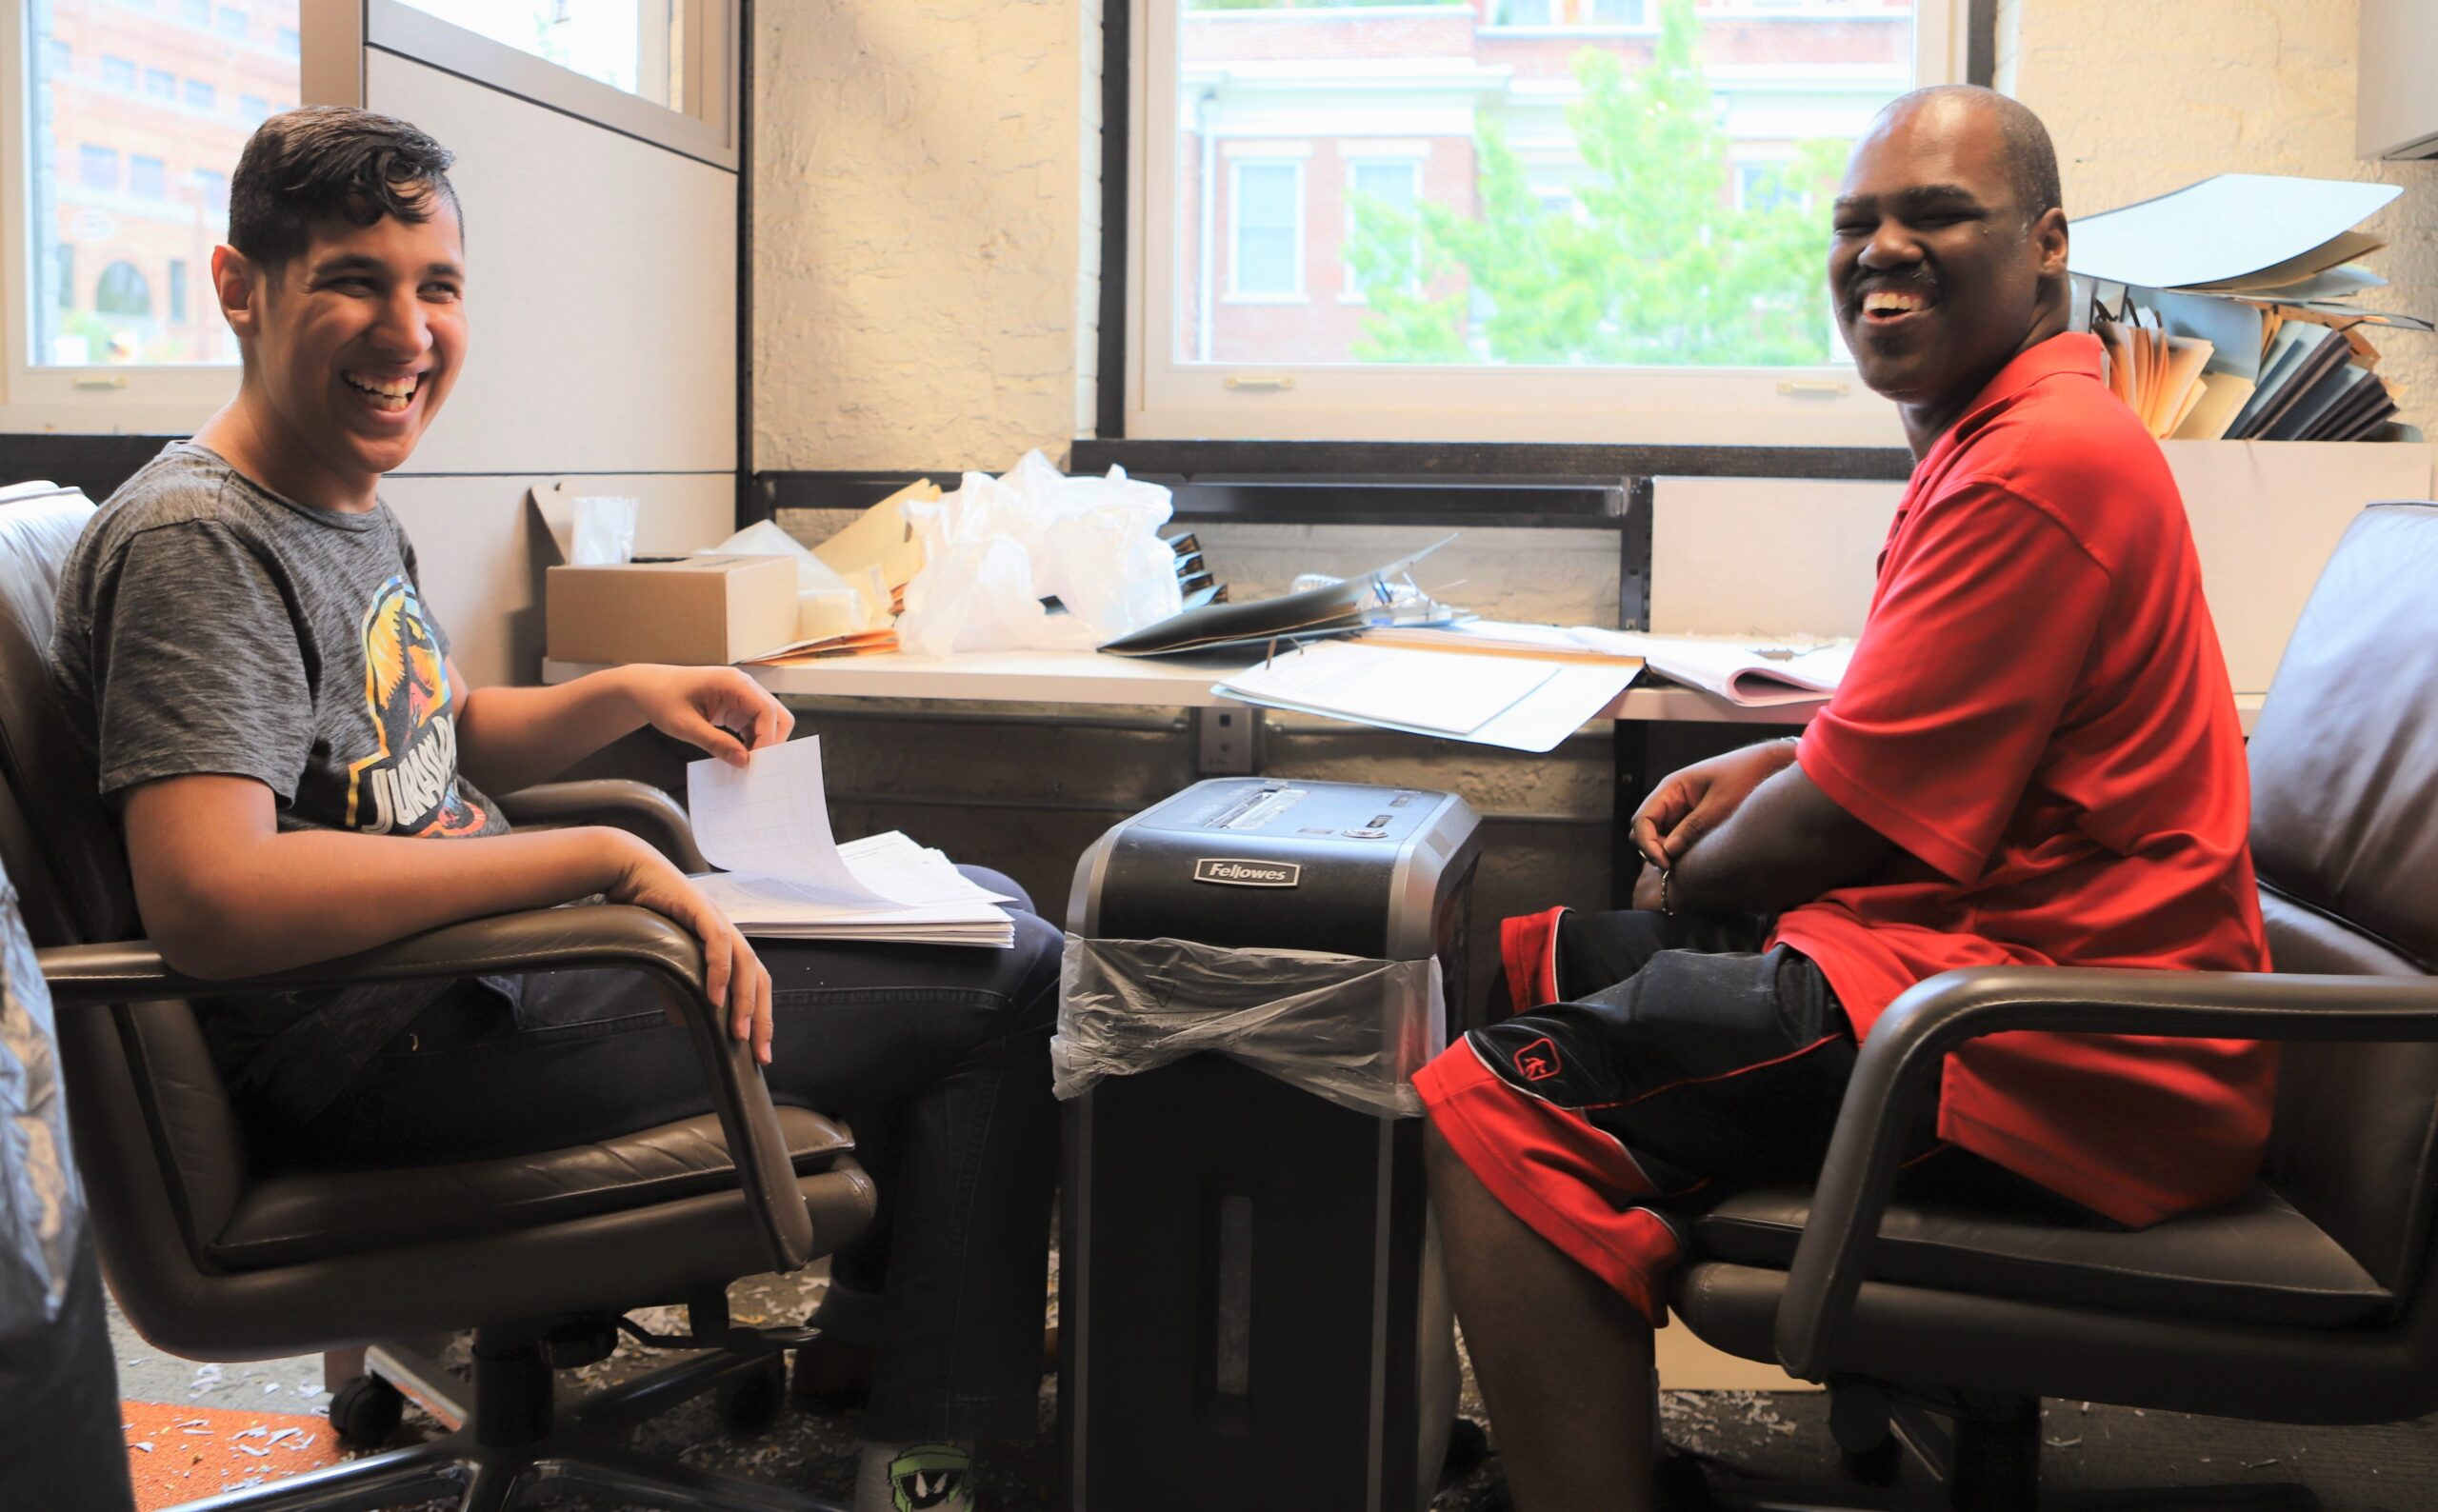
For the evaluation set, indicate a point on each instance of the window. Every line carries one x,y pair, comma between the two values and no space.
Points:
1267,256
126,199
290,42
97,167
253,109
123,291
664,70
1392,185
1616,212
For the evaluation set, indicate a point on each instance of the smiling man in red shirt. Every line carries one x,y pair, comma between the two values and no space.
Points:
2035,758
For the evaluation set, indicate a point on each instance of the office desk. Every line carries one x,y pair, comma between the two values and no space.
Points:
1087,677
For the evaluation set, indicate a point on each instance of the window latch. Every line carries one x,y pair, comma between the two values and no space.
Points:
114,381
1813,387
1266,381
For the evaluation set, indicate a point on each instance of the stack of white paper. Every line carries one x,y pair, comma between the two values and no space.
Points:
1510,701
786,877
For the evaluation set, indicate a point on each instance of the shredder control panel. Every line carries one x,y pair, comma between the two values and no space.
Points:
1312,813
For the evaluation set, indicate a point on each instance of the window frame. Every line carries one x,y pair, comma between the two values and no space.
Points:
1163,398
161,399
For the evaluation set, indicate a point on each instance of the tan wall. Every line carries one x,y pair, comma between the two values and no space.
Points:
926,229
2145,98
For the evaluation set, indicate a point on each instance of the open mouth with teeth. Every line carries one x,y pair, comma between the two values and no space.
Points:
388,395
1887,306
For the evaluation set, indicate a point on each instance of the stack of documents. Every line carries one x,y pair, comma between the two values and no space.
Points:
785,877
1519,701
1752,674
2228,309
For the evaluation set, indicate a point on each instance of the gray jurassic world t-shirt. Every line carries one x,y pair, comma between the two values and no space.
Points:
209,625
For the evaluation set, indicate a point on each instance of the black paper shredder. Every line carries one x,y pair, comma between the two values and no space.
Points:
1252,1309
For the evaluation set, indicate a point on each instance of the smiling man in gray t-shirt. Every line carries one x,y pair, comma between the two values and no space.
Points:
302,772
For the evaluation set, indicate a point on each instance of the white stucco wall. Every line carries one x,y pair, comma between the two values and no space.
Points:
927,203
2144,98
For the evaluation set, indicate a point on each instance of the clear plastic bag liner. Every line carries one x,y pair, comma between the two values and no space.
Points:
1342,1028
42,1207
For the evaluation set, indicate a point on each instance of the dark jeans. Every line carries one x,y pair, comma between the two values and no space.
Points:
937,1057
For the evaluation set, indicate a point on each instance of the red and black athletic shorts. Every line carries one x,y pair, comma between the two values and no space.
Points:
1670,1061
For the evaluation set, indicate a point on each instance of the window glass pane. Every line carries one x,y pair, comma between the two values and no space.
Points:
1592,183
129,170
629,45
1268,212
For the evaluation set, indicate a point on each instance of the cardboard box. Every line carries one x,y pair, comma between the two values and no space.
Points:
697,611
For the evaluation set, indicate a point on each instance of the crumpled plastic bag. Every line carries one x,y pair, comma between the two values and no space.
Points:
997,546
1342,1028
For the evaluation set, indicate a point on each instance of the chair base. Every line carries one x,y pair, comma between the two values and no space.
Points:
1980,1452
505,1450
2282,1498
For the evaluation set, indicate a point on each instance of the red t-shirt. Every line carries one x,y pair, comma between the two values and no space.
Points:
2038,713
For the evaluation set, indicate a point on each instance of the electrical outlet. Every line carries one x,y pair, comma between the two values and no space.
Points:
1227,742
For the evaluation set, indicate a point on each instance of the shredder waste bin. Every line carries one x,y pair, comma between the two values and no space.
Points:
1252,1309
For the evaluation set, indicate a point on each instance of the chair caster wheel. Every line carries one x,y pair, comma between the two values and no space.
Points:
1876,1465
366,1411
751,1403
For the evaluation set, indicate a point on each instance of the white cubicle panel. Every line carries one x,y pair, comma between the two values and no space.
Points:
480,555
1779,556
601,289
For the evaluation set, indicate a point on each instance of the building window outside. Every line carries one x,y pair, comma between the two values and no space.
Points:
621,43
122,185
290,42
123,291
1633,187
1266,251
97,167
1392,185
253,109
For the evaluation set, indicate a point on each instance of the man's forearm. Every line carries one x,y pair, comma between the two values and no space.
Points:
1786,845
513,737
307,895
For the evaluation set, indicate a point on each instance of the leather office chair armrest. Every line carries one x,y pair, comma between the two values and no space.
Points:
1900,1063
539,940
639,809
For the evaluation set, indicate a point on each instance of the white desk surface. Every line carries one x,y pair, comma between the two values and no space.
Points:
1089,677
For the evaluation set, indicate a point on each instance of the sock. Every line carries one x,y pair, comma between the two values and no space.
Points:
934,1477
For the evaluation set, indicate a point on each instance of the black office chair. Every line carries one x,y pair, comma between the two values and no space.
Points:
2314,1298
217,1249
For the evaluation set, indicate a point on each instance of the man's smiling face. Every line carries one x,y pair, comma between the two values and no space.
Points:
1938,275
356,341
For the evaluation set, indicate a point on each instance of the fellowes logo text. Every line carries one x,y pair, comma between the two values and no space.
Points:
1248,873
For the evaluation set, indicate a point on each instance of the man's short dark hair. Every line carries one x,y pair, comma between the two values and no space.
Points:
324,161
2031,158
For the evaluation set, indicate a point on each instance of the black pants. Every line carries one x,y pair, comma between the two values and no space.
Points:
938,1058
